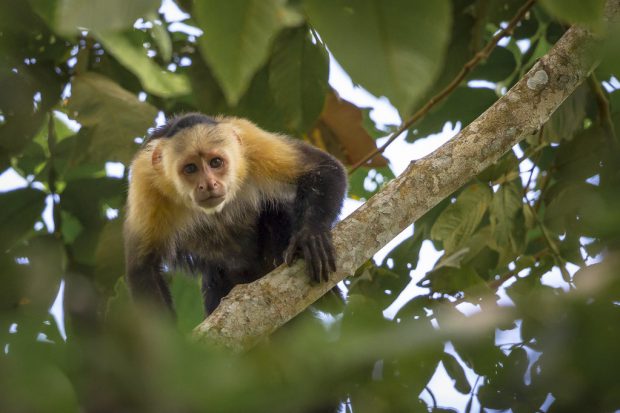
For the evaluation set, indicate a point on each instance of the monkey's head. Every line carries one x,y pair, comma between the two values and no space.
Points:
203,160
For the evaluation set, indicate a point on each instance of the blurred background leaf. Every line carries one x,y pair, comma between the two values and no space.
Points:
503,297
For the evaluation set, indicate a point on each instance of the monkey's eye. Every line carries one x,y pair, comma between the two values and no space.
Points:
190,168
216,163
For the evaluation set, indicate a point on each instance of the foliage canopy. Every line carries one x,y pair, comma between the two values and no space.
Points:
519,313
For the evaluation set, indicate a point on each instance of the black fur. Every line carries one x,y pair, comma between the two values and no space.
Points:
178,123
227,252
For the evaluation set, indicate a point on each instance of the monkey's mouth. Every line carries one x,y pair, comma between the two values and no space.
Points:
211,202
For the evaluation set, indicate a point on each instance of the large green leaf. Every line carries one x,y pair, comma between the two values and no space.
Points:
392,48
111,116
506,228
576,11
133,56
610,66
45,268
459,220
499,65
298,74
99,15
568,119
20,210
109,262
237,37
451,280
187,301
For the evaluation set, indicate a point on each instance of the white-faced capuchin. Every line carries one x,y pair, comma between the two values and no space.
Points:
225,199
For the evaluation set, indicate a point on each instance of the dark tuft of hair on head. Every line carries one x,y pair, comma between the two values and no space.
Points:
178,123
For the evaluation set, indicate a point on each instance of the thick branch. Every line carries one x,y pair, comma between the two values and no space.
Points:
252,311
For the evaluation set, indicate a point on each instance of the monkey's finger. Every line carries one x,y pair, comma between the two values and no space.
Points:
320,241
305,248
317,258
289,254
329,251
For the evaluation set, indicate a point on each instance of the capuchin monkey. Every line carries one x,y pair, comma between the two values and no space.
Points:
225,199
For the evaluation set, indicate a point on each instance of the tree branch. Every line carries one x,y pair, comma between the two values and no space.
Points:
252,311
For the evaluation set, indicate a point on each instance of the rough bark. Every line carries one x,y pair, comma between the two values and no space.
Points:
252,311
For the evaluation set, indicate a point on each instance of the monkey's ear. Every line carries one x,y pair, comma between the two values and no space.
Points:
156,157
237,137
237,132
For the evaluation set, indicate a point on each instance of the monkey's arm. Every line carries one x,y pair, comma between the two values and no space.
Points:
320,193
144,274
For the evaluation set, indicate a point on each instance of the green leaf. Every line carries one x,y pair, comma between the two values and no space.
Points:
402,43
20,208
497,67
161,37
464,104
298,74
100,15
45,268
576,11
237,37
406,254
502,170
456,373
258,105
610,65
187,301
379,283
568,119
507,203
109,262
133,56
85,198
459,220
450,280
111,117
364,183
465,39
118,304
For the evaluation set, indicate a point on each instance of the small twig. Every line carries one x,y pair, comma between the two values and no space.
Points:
428,390
529,179
473,391
465,70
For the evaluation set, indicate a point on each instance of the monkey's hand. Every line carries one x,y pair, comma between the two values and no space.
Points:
316,248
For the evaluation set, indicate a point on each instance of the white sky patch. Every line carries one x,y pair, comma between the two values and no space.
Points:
11,180
114,169
481,84
185,28
383,113
71,124
428,257
524,45
47,216
57,310
172,12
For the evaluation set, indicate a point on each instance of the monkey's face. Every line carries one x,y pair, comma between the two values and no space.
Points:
204,164
206,174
